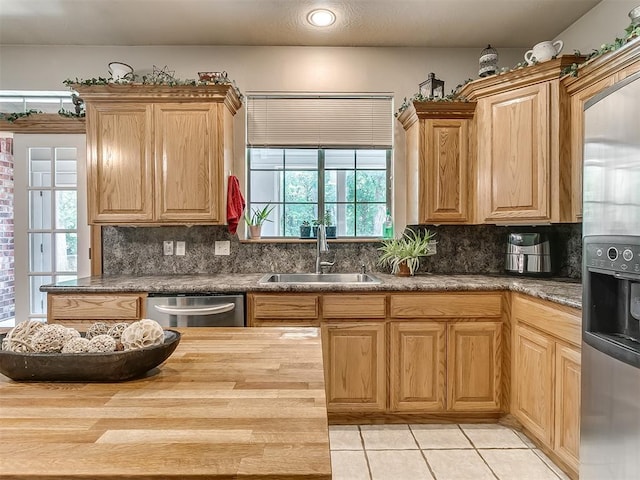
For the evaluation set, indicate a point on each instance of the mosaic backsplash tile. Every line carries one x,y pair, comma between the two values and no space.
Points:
465,249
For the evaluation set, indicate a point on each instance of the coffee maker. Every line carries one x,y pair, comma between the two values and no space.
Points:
528,254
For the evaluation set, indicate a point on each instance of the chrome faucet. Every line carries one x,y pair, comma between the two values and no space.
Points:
322,246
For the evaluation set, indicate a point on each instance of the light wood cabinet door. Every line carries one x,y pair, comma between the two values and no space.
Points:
80,311
439,155
444,194
120,174
474,366
283,309
514,155
188,166
417,366
567,405
355,366
577,103
533,382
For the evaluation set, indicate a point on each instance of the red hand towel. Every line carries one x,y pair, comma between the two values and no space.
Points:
235,204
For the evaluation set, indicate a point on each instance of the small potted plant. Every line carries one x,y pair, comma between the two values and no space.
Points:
327,222
403,254
305,229
256,219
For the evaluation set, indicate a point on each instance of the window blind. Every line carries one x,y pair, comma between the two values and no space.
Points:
320,121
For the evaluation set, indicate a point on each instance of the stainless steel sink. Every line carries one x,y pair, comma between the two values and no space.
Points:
320,278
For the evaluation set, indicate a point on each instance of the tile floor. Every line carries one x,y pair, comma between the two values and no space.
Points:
436,452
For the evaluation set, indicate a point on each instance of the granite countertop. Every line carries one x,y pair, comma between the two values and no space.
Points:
562,291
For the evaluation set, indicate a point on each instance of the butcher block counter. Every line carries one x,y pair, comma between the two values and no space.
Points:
230,403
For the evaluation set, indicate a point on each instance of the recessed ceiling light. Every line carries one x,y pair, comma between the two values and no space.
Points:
321,18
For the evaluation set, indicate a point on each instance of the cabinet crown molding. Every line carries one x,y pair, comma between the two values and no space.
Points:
521,77
137,92
438,110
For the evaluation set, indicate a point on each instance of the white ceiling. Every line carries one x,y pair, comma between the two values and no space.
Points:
415,23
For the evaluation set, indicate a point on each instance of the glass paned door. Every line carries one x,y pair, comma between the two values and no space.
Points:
50,189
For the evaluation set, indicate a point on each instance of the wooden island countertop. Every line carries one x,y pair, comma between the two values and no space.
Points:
230,403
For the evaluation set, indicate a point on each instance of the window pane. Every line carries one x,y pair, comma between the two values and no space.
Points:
372,159
66,209
38,299
64,278
339,186
40,209
66,167
369,219
347,220
301,186
267,158
266,186
40,252
295,214
371,186
66,252
339,159
40,167
301,159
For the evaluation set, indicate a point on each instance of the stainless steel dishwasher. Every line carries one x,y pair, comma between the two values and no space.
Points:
196,310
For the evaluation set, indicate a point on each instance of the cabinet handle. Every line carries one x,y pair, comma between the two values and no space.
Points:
225,307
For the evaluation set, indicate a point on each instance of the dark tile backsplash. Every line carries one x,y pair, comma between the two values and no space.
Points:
461,249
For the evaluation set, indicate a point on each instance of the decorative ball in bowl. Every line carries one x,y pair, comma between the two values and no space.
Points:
34,351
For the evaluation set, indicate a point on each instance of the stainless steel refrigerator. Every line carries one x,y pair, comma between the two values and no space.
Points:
610,410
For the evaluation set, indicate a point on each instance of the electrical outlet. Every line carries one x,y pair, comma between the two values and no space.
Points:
223,248
181,248
167,247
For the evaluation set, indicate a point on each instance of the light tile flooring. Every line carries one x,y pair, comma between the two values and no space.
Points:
436,452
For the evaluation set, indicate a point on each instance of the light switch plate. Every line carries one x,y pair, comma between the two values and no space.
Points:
223,248
181,248
167,247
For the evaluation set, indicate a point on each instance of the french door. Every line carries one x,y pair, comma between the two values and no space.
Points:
50,216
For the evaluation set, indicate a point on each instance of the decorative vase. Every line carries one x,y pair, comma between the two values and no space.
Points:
403,270
255,231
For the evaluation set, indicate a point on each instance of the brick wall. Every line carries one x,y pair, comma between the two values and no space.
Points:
7,272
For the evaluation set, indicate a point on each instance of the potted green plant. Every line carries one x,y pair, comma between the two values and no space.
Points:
305,229
256,219
327,222
403,254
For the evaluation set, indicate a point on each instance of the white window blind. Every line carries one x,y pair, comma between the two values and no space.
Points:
320,121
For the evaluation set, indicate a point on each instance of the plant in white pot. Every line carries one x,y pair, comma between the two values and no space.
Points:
403,254
256,219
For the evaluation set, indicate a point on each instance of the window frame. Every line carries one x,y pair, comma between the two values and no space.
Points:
321,170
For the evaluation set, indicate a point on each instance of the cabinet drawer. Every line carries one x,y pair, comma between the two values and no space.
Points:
557,320
353,306
285,306
454,305
120,307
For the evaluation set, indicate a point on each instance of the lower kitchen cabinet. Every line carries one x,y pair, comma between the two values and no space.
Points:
533,373
355,366
567,405
474,366
82,310
417,366
545,395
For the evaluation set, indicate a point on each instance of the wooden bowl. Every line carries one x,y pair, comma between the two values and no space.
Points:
86,367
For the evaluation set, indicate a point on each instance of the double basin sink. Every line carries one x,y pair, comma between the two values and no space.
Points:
320,278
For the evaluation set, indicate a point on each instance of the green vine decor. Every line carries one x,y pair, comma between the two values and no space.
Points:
631,32
151,80
12,117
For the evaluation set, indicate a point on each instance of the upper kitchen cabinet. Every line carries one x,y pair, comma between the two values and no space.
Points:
158,154
522,124
593,77
439,149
